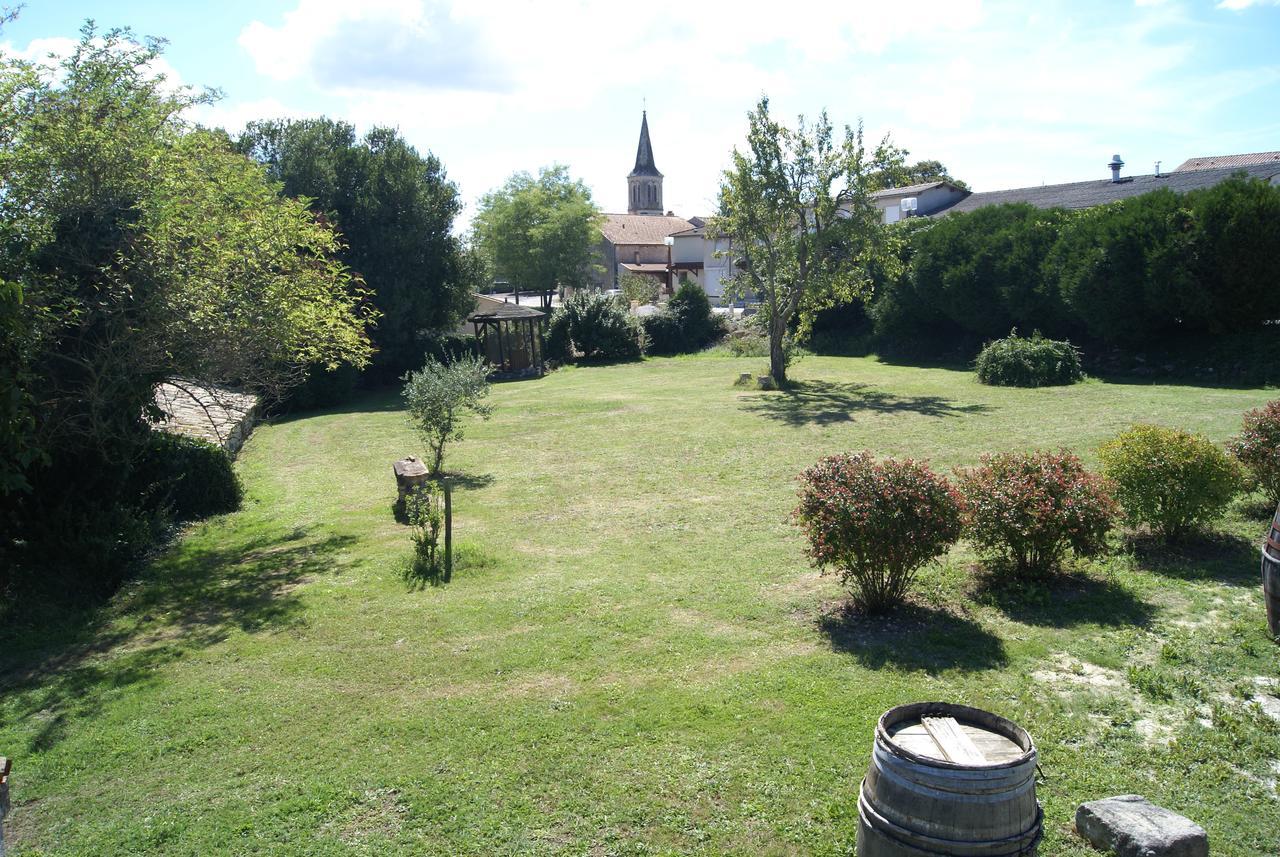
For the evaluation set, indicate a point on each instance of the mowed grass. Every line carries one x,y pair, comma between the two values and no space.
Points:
634,656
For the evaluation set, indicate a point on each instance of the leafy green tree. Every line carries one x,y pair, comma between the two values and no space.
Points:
890,169
133,250
395,209
797,209
639,288
440,395
540,234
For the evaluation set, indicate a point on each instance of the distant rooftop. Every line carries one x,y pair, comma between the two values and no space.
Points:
911,189
1213,162
641,228
1091,193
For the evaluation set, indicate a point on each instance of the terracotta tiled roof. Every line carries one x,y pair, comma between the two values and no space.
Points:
646,267
641,228
1214,162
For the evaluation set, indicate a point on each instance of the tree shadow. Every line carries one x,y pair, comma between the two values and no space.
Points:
823,403
469,481
913,637
418,576
1062,601
187,600
373,400
1220,557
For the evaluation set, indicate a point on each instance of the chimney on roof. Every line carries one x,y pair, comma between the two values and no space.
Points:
1157,169
1115,165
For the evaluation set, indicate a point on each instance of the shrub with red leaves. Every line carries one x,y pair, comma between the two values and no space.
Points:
876,523
1030,508
1257,447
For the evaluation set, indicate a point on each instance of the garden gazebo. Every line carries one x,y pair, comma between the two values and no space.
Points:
511,336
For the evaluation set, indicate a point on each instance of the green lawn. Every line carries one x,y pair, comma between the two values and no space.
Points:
633,656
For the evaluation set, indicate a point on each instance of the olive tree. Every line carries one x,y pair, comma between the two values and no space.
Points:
439,396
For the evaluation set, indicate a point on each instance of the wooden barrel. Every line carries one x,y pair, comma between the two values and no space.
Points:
1271,575
952,780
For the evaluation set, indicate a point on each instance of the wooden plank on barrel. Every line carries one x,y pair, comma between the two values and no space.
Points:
955,745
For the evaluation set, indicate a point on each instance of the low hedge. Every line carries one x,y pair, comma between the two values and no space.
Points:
1034,361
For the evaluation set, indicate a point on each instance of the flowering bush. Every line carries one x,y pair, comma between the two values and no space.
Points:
1032,507
1169,479
876,522
1258,448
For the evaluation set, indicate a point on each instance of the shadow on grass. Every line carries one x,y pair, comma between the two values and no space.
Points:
823,403
914,637
1062,601
417,576
186,601
1220,557
376,400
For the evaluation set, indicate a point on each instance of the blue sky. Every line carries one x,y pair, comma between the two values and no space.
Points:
1005,94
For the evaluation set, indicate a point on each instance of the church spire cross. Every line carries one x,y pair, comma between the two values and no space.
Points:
644,184
644,151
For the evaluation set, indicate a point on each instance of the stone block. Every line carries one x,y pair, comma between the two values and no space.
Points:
409,473
1132,826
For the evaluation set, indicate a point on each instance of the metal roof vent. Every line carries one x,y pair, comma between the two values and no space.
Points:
1115,165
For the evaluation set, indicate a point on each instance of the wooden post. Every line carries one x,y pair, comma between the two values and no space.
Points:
448,530
4,798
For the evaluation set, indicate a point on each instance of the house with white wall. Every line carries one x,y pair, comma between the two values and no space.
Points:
703,259
917,200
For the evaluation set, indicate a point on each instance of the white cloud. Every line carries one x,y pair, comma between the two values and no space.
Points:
50,52
1238,5
1003,93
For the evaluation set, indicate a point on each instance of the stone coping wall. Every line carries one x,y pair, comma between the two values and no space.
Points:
220,416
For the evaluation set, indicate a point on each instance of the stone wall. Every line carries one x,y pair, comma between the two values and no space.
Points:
220,416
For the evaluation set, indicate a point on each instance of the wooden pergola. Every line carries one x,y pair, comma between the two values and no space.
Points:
511,336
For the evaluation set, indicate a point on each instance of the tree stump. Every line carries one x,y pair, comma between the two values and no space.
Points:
410,473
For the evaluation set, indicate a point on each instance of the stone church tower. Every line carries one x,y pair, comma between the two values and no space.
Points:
644,184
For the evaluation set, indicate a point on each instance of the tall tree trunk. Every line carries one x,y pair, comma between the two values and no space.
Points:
777,357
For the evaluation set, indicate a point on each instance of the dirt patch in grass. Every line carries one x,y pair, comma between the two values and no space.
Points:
1067,673
379,813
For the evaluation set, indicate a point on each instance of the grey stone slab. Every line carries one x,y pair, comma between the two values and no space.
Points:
1132,826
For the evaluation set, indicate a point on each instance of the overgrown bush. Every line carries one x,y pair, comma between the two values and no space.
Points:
1031,508
597,327
1170,480
1018,361
876,523
686,324
1257,448
438,397
424,507
189,478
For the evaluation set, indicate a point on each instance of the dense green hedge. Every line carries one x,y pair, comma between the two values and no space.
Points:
189,478
1131,273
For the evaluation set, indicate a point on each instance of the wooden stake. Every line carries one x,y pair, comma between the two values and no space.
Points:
448,530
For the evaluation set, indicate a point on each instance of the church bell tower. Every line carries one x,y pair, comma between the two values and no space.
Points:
644,184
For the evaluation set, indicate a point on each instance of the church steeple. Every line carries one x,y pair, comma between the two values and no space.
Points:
644,183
